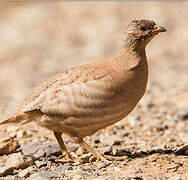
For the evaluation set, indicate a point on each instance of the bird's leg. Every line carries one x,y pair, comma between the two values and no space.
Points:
65,157
86,146
95,153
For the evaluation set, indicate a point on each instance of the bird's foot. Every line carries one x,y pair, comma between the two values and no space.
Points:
65,158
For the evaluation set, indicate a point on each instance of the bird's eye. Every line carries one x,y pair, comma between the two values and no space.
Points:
143,28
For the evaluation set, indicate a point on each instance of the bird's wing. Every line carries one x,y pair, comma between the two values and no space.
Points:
70,91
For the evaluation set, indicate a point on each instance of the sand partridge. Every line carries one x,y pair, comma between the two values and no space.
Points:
84,99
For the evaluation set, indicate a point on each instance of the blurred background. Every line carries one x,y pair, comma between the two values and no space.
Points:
38,40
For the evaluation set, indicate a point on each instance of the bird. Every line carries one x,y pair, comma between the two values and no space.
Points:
81,100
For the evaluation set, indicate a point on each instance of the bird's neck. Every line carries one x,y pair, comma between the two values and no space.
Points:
132,56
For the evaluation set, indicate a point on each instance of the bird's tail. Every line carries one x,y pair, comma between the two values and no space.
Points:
17,119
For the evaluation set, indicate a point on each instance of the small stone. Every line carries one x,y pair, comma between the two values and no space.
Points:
183,113
77,177
85,158
76,163
41,149
39,153
38,177
12,135
40,163
6,170
109,140
15,177
51,148
63,168
24,133
7,146
24,173
21,133
45,175
103,165
30,133
117,142
74,155
29,148
80,151
11,129
18,161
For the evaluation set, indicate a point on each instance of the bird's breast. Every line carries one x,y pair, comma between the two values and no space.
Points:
98,105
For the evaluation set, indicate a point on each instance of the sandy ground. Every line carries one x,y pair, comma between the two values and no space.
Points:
39,40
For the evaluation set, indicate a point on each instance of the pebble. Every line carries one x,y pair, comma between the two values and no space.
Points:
183,113
7,146
11,129
6,170
24,133
80,151
45,175
24,173
39,178
12,177
18,161
85,158
21,133
63,168
41,149
40,163
77,177
109,140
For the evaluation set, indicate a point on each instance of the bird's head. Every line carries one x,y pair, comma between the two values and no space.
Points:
141,32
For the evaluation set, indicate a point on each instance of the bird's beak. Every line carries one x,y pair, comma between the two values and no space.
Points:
158,29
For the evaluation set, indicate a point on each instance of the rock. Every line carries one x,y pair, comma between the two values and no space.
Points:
6,170
21,133
12,177
24,173
77,177
40,163
74,155
85,158
52,149
38,177
7,146
18,161
102,165
29,148
43,175
80,151
183,113
39,153
12,135
24,133
117,142
41,149
108,140
64,168
11,129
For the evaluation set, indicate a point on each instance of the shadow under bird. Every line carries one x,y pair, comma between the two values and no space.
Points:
84,99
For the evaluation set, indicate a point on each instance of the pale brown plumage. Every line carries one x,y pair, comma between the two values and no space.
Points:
84,99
